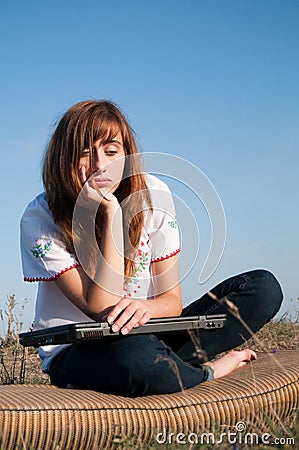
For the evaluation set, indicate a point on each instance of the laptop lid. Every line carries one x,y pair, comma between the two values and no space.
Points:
78,332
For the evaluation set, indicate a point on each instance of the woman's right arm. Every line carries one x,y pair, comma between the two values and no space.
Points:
96,296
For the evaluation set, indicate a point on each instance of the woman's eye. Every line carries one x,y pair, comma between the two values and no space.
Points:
86,152
111,151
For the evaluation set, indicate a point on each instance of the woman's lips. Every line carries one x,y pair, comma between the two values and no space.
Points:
103,182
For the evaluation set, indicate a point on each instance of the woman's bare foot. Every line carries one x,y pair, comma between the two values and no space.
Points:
231,361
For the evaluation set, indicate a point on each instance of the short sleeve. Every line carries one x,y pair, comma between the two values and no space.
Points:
164,239
44,256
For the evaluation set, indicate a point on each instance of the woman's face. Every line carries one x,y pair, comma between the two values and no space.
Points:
106,164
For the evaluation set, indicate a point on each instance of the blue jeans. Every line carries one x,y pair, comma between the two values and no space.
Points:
147,364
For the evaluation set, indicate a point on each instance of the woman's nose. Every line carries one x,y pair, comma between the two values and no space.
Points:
99,161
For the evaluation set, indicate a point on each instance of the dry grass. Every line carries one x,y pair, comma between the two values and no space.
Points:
276,335
18,365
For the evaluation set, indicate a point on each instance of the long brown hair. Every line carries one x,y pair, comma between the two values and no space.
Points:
82,125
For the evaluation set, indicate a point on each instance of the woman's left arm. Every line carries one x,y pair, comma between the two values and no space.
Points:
167,302
168,298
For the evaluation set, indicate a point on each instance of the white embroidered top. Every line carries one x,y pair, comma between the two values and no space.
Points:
45,258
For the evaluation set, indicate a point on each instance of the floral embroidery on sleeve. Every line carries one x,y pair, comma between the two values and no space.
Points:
173,223
39,250
142,260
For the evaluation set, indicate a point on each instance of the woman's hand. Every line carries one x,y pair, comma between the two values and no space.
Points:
92,197
127,314
231,361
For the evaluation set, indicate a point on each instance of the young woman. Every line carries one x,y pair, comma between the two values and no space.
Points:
103,244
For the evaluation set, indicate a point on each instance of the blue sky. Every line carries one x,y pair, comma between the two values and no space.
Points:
213,82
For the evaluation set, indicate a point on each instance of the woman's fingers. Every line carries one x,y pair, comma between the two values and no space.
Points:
245,356
249,355
145,318
128,314
83,174
91,194
138,319
118,308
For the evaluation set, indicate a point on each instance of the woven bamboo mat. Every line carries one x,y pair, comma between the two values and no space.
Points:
45,417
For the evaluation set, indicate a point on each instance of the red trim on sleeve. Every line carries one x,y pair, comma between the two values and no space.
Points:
53,278
162,258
